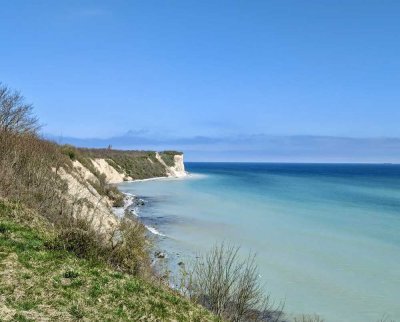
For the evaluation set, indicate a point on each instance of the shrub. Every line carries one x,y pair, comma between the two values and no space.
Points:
69,151
71,274
308,318
229,286
16,115
130,248
80,238
119,202
169,157
126,249
28,171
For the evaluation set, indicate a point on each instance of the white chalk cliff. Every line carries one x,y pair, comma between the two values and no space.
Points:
176,171
86,199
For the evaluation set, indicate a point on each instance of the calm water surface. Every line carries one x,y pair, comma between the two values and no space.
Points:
327,236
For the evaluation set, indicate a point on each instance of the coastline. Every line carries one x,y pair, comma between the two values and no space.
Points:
287,219
158,178
132,202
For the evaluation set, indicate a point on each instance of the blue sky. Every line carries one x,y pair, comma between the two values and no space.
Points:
169,71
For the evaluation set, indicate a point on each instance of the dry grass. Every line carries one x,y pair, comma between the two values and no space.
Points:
41,283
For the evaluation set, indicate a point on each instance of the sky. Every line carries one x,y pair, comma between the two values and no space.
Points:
218,79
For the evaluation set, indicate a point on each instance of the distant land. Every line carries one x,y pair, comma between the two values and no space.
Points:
255,148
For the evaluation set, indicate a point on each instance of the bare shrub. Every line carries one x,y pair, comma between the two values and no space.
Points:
28,172
385,318
15,115
29,169
130,247
308,318
230,287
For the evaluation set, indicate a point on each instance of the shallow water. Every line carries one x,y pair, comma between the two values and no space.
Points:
326,236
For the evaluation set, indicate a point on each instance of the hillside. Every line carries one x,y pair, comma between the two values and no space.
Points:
40,282
90,175
131,165
64,255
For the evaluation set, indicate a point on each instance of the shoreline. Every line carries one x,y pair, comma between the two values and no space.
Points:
132,203
130,198
187,176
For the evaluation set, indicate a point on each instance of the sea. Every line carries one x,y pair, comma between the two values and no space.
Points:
326,236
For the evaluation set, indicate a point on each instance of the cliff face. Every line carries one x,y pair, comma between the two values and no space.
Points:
90,177
120,165
116,170
177,169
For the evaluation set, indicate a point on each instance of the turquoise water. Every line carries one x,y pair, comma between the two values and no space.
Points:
326,236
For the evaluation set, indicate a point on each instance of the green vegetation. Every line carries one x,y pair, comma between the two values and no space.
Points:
101,186
136,164
41,282
168,157
57,264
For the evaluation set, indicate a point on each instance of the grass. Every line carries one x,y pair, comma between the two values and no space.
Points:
38,282
136,164
169,157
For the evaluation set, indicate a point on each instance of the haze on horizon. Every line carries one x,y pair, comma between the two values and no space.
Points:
228,80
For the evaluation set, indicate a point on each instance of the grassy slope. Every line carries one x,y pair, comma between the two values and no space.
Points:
39,283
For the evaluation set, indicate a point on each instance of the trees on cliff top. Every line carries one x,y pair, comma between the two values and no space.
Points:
15,114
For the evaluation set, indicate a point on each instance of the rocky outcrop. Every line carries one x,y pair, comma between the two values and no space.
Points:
175,171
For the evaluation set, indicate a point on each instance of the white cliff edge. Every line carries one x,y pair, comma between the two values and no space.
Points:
176,171
98,208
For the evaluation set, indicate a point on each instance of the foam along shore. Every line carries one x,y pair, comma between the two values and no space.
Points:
154,231
130,200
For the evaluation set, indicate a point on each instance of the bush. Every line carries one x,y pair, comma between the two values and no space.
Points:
169,157
80,238
126,249
16,115
70,274
308,318
28,171
130,248
229,286
119,202
69,151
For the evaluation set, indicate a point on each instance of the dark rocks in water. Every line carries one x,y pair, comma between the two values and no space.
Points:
159,254
139,202
181,264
